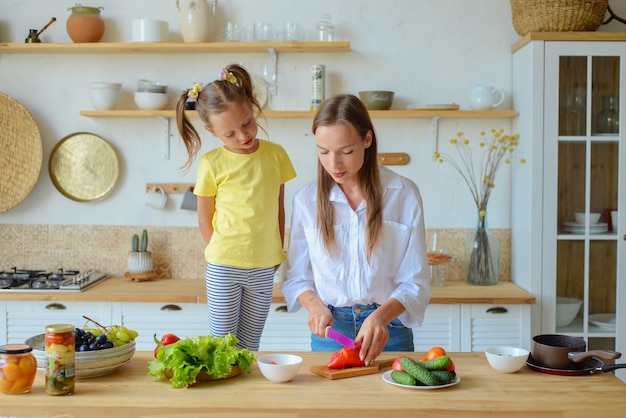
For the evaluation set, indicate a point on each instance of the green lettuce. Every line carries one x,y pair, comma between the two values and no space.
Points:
186,358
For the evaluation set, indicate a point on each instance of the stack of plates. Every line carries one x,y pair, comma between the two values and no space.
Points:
605,321
88,363
576,228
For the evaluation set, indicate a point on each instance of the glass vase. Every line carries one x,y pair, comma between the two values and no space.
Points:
608,118
482,255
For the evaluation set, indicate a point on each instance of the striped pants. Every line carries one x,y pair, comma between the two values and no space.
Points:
238,302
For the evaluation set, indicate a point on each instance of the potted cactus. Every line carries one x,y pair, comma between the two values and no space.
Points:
140,259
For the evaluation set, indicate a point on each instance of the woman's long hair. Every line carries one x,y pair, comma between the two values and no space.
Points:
350,111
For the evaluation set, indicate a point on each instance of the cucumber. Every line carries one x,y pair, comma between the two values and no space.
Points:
438,363
134,244
443,376
403,378
144,241
418,372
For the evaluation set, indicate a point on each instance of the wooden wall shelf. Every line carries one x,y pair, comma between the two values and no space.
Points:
171,47
423,114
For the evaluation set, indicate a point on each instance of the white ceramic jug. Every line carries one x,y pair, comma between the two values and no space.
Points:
194,17
485,97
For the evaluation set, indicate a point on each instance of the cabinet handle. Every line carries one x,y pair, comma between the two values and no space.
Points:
282,308
497,310
171,308
55,306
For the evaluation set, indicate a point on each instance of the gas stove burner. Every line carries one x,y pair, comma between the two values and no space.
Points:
41,280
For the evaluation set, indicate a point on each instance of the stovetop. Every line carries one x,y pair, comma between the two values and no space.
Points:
16,280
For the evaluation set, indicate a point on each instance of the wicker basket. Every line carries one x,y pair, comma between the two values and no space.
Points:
557,15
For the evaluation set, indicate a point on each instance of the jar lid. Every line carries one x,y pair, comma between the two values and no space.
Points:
60,328
15,349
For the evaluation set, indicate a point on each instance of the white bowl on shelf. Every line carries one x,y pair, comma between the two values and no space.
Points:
146,100
566,310
593,218
104,95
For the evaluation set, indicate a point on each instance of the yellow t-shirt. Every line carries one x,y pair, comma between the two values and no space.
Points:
246,189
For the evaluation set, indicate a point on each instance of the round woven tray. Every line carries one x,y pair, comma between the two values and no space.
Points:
21,153
557,15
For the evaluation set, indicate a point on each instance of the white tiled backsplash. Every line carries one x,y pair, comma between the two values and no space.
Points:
177,252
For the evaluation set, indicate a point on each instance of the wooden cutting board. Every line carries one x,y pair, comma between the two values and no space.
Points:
333,374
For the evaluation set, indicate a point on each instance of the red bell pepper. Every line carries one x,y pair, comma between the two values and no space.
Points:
346,357
166,339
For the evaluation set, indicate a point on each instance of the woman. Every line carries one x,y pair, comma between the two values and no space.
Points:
357,254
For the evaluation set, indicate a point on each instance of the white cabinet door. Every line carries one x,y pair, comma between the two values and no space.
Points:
25,319
286,331
441,327
182,319
483,326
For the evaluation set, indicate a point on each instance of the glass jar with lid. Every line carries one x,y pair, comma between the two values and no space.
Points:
326,29
18,368
60,359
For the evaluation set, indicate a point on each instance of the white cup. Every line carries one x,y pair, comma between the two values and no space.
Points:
614,224
150,30
157,198
485,97
190,200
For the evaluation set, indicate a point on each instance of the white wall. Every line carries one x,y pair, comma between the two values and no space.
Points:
426,51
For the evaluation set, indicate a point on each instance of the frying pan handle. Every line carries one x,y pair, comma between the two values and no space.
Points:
609,367
581,356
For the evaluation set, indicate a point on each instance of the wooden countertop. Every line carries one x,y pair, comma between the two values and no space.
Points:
117,289
482,391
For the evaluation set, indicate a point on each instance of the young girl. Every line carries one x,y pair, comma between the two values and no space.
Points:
240,191
357,252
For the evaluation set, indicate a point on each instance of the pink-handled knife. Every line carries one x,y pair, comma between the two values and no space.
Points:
339,337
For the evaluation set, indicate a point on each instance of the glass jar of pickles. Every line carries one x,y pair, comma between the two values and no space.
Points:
18,368
60,359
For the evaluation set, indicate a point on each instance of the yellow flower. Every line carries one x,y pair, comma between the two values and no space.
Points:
481,179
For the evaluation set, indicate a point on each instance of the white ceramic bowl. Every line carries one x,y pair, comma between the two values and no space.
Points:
580,218
566,310
279,368
104,96
151,86
88,363
150,30
506,359
151,101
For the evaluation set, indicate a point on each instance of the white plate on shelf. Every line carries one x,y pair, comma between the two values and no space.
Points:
603,320
387,378
448,106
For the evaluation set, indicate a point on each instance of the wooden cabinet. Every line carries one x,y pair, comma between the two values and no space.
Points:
569,90
26,319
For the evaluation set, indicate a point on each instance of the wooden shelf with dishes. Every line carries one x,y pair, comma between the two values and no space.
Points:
424,114
170,47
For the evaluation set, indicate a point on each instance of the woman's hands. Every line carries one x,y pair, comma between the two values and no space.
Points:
373,337
319,314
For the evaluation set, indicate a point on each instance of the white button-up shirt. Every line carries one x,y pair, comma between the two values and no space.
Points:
398,267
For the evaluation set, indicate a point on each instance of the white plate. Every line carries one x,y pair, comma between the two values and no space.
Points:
603,320
449,106
387,378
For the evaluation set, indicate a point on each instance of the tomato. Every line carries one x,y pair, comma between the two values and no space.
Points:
396,364
435,352
450,367
423,359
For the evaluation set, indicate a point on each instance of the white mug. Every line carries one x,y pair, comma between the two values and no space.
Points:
157,198
190,200
150,30
485,97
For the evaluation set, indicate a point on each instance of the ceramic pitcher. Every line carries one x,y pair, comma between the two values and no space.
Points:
194,17
485,97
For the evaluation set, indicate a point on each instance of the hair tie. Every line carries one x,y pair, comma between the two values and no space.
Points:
195,91
228,76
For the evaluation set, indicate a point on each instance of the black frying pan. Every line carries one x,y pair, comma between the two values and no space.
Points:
590,366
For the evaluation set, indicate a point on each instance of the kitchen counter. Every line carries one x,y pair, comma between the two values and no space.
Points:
117,289
482,391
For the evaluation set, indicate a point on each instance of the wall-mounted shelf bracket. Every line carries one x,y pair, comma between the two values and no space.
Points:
434,134
165,147
273,71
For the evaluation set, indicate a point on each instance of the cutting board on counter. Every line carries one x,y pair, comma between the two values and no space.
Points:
333,374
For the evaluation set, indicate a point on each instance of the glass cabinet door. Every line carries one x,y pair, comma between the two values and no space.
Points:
587,188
